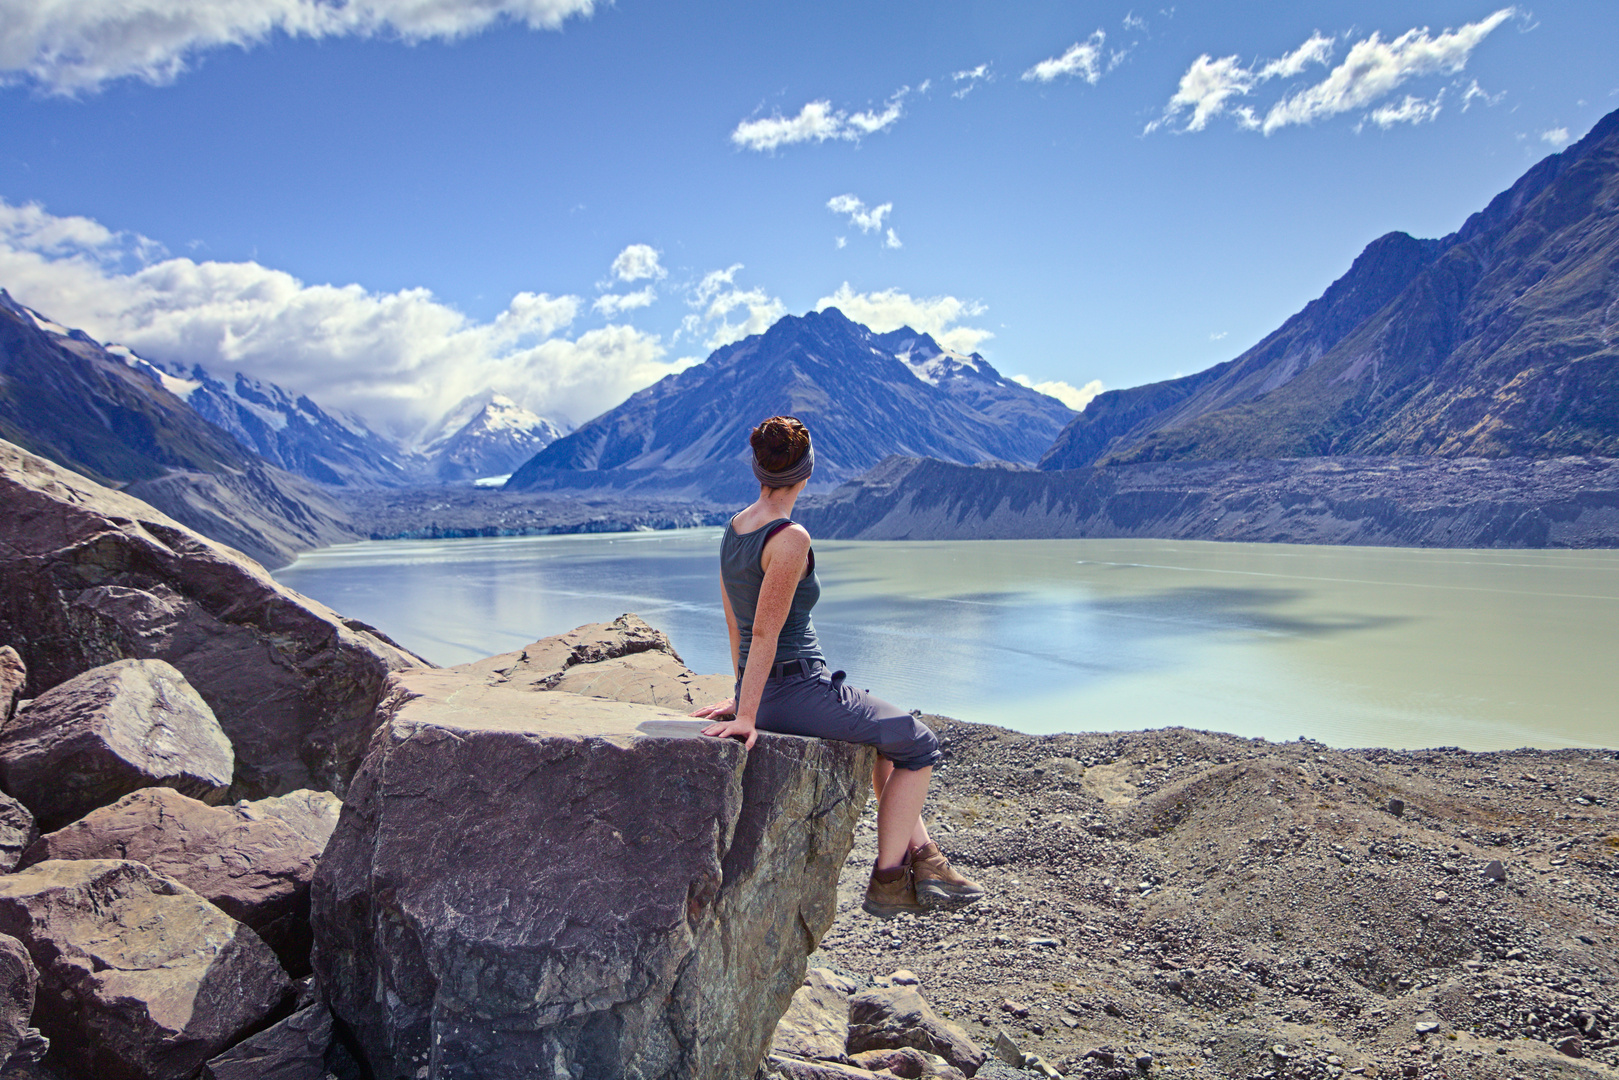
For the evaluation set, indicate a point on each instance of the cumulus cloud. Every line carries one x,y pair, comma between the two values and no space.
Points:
611,304
638,262
1075,397
1082,60
63,48
1557,137
1370,72
859,215
818,122
397,359
727,311
891,309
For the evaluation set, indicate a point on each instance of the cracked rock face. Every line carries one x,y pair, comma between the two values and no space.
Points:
18,978
254,866
115,729
89,576
140,978
550,885
13,677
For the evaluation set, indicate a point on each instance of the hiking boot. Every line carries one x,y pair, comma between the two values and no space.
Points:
885,899
937,883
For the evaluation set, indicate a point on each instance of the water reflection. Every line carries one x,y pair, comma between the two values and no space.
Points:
1354,646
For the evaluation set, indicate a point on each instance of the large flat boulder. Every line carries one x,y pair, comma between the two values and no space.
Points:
140,978
547,885
89,575
254,866
622,660
115,729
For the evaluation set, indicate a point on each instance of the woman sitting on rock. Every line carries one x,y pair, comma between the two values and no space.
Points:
767,569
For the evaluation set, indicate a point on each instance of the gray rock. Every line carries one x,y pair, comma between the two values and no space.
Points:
886,1017
1571,1045
816,1023
89,576
18,978
1494,870
115,729
254,866
140,978
294,1049
1427,1027
1396,807
778,1067
311,814
1008,1050
17,831
624,660
549,882
13,678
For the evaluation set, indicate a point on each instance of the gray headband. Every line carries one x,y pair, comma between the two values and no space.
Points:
789,476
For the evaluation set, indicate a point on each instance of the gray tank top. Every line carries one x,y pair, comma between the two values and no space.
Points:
742,576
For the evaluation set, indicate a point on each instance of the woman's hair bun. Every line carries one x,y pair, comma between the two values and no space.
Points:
779,442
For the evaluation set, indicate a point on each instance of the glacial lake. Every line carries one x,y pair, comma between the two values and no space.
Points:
1351,646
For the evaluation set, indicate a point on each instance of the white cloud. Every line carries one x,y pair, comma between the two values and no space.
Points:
397,359
612,304
892,240
1557,137
971,77
1083,60
818,122
1475,91
1371,71
843,242
1374,68
64,47
891,309
718,297
638,262
1132,21
859,216
1410,110
1218,335
1075,397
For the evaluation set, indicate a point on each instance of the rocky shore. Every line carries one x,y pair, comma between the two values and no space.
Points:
447,513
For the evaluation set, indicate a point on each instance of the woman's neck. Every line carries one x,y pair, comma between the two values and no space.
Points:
778,502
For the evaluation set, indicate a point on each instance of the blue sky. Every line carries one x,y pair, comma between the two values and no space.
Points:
396,204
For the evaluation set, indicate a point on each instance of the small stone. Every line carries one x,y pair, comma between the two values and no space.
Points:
1516,954
1038,1064
1016,1008
1069,1022
1441,897
1495,871
1007,1050
1143,1061
1427,1027
1102,1056
1396,807
1279,1052
1570,1045
902,977
1044,942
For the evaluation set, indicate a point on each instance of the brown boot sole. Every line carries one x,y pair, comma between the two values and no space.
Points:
938,894
887,911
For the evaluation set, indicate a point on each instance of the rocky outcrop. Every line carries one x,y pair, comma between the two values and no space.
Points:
13,679
1416,502
140,978
115,729
550,885
891,1017
17,831
294,1049
18,979
624,660
254,866
89,576
816,1023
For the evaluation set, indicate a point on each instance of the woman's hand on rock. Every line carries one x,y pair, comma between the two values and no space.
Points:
716,710
739,727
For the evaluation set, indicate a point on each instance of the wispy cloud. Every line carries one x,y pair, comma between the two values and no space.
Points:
1474,91
64,48
1075,397
1083,60
1371,71
892,240
612,304
1132,21
728,312
817,122
967,80
890,309
860,216
1557,137
397,359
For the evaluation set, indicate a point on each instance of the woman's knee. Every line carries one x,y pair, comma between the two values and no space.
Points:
908,743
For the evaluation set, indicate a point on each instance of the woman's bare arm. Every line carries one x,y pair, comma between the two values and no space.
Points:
728,706
785,556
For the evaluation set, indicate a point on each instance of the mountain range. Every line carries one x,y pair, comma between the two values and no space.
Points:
863,395
486,436
1498,340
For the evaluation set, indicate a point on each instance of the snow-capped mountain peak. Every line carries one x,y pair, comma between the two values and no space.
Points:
488,435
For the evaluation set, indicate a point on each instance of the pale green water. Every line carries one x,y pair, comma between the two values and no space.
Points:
1351,646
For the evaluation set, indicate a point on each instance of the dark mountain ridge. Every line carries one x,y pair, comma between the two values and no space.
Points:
688,431
1496,341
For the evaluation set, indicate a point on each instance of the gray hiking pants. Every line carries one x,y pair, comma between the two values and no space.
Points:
821,705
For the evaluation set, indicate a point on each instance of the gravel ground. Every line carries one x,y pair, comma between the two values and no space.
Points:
1239,908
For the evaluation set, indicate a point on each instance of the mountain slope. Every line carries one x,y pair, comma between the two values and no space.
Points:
489,435
66,398
860,399
1496,341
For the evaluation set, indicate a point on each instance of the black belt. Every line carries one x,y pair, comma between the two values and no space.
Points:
793,667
